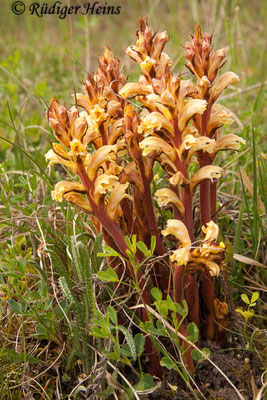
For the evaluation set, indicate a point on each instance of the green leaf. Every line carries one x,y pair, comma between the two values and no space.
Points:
248,314
109,252
146,382
139,341
112,356
167,362
108,276
113,315
193,332
128,242
245,299
254,297
162,307
185,306
183,312
9,355
130,341
15,306
143,248
153,244
126,351
150,328
170,303
156,293
130,256
133,248
197,356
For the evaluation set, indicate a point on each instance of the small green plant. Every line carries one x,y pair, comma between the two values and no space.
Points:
248,313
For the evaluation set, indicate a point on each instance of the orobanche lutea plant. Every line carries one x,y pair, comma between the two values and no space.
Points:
117,135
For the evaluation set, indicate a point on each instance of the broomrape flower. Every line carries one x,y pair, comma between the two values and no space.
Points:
198,262
187,143
213,268
78,200
64,187
230,141
153,143
78,128
105,183
98,115
181,256
147,64
155,121
204,84
211,231
83,101
166,163
179,230
164,62
219,117
154,102
221,308
58,155
208,172
209,249
77,148
215,63
178,179
229,78
165,196
116,196
192,107
202,143
57,118
159,41
105,153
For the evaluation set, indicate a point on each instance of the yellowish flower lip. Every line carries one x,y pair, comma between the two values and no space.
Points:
211,231
181,256
153,143
116,196
64,187
67,158
208,172
166,195
179,230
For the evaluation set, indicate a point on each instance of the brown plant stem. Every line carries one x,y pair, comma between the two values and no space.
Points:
117,236
161,269
187,355
191,285
188,217
213,201
178,275
186,193
208,295
207,200
204,192
178,286
192,297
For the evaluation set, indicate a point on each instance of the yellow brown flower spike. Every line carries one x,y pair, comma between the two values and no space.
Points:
111,146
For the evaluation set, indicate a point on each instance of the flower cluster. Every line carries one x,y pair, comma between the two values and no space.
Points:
112,147
90,141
